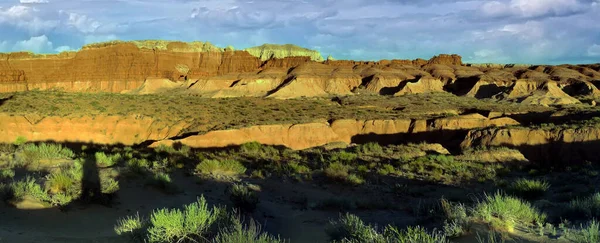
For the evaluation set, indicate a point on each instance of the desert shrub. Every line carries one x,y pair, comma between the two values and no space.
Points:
7,174
243,197
504,212
250,147
104,160
353,179
351,229
343,156
132,226
190,224
457,221
20,141
163,182
258,150
413,234
370,149
337,171
137,167
386,169
165,149
586,207
238,233
61,199
109,186
220,167
587,233
529,189
49,151
292,168
60,182
29,186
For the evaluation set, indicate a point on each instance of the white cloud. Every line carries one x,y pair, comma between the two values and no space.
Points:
36,44
594,50
34,1
62,48
16,12
82,23
99,38
24,17
532,8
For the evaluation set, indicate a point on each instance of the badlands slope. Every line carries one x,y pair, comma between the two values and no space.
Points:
383,99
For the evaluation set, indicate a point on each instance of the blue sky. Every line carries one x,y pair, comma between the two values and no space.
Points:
500,31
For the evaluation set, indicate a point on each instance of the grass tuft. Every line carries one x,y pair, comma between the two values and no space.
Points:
528,188
220,168
588,207
505,212
243,197
46,151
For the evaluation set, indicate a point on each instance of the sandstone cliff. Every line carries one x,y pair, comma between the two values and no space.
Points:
559,145
268,51
284,71
130,130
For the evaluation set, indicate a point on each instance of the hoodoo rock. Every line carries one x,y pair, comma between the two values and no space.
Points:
423,85
546,93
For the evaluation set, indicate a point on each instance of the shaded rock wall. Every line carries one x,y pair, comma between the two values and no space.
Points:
560,145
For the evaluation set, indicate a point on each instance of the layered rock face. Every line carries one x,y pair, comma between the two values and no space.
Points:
546,146
130,130
302,136
127,130
284,71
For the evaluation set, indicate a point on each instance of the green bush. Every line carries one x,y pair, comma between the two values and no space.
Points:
337,171
237,233
20,141
46,151
7,174
505,212
137,167
163,181
343,157
60,182
258,150
294,168
587,233
413,234
132,226
104,160
386,169
243,197
370,149
353,179
351,229
586,207
190,224
109,186
221,168
30,187
529,189
457,221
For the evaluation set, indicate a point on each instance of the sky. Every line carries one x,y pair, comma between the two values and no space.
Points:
482,31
